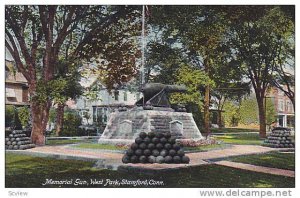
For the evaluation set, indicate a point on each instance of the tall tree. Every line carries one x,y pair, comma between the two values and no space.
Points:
257,41
200,30
34,36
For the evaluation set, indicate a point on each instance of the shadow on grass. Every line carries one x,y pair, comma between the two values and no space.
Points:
271,159
26,171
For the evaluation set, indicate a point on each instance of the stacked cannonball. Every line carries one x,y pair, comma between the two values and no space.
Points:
279,138
155,148
17,140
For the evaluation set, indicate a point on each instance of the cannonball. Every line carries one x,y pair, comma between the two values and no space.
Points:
168,146
155,153
143,145
14,143
147,152
159,146
163,153
176,146
18,139
172,152
13,139
167,135
158,135
163,140
16,147
143,159
125,159
143,135
151,146
147,140
172,140
138,140
134,159
11,135
155,140
151,134
6,139
19,143
134,146
185,159
8,142
151,159
129,152
160,159
176,159
180,152
168,159
10,146
138,152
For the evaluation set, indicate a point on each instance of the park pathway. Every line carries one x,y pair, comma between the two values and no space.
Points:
110,159
260,169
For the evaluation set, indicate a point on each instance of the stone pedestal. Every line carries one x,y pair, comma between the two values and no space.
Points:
124,127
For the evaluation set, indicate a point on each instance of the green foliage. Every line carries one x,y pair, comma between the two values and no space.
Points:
230,114
72,121
9,115
249,111
271,114
24,115
194,80
52,115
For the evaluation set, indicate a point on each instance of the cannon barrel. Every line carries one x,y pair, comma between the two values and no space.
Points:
151,89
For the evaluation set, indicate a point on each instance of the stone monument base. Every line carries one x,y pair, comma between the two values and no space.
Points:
123,127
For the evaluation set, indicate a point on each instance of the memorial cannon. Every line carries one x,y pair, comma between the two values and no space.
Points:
157,94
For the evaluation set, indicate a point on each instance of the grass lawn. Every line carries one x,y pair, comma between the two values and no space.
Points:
271,159
98,146
206,147
27,171
114,147
245,138
232,130
67,141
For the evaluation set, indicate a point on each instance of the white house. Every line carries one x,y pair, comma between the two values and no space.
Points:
97,111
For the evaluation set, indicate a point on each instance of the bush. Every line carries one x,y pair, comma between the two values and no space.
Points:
9,115
24,115
12,118
72,121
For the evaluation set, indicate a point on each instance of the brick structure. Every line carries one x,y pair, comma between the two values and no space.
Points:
284,108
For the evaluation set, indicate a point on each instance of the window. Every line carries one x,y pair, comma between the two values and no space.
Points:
280,105
125,96
10,93
289,107
116,93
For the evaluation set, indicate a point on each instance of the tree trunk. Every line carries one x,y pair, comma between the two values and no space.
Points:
59,118
262,117
206,111
37,133
220,119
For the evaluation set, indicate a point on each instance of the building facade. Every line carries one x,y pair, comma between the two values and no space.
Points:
96,112
284,108
16,86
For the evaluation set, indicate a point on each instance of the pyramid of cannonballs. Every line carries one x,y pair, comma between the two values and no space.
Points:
155,148
17,140
279,138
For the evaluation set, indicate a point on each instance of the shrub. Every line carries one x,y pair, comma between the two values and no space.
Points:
72,121
24,115
9,115
12,118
